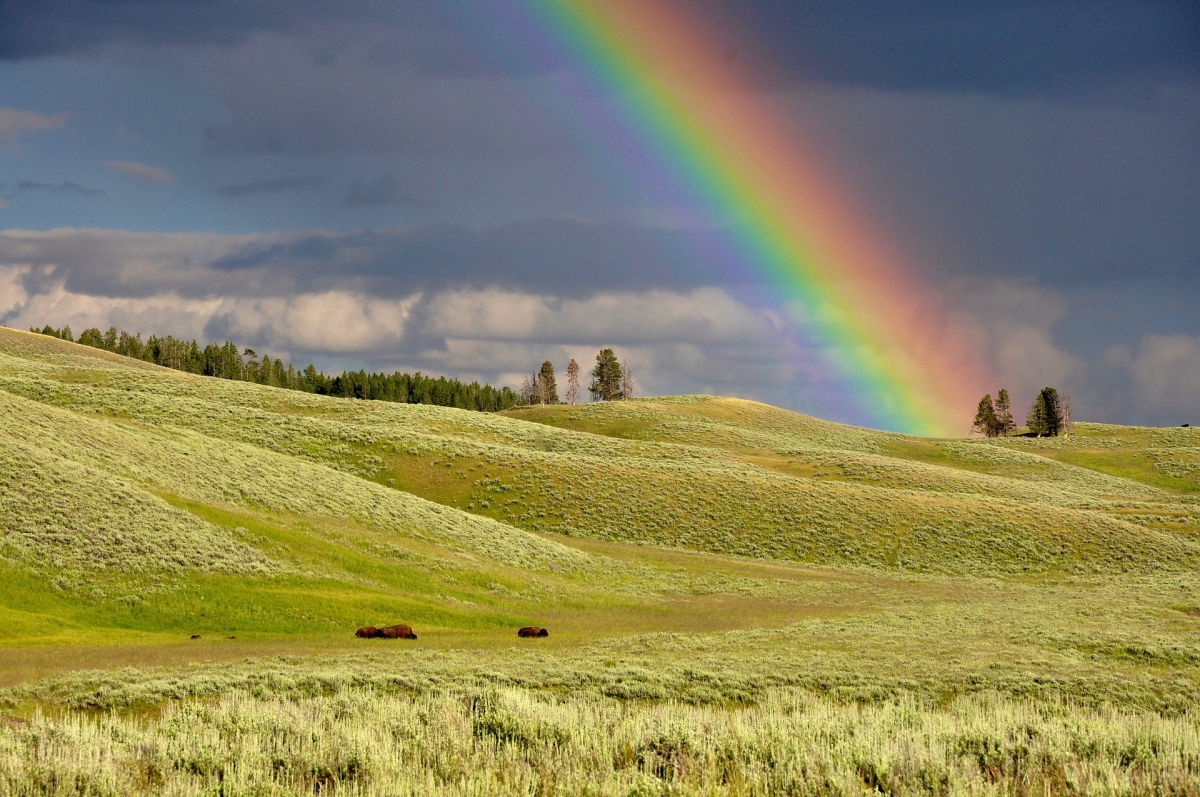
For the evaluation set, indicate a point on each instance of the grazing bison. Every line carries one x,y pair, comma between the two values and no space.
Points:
397,632
533,630
195,636
370,632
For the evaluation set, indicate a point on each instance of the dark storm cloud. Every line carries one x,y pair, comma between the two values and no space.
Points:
423,36
561,257
997,47
994,47
281,185
36,28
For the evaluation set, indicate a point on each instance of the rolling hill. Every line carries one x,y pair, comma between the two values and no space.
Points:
702,551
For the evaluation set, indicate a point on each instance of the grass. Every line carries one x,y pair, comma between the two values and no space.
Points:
507,741
741,599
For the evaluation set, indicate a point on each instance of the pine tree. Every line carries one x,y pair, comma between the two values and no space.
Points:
1004,418
606,377
572,394
547,387
1045,415
985,417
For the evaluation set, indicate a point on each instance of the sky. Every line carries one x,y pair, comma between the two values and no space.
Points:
409,185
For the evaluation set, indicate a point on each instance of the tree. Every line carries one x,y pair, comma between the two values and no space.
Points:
572,394
529,389
1045,414
606,377
547,387
985,417
626,381
1004,418
1064,403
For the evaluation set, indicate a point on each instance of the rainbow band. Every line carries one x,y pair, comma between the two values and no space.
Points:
781,216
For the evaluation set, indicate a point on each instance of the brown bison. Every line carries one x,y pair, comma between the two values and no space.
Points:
397,632
533,630
370,632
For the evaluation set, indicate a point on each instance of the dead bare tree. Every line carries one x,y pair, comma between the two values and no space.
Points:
1064,405
626,381
530,389
572,393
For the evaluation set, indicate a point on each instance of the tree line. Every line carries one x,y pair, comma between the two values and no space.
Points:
611,381
228,362
1048,416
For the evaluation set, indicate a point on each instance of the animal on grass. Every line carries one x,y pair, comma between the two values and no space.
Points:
387,633
195,636
397,632
533,630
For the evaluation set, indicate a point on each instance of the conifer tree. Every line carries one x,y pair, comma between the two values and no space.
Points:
1004,418
572,394
547,387
606,377
1045,414
985,417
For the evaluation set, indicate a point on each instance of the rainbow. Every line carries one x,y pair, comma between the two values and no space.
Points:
895,354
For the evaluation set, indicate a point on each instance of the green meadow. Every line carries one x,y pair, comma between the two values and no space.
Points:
741,600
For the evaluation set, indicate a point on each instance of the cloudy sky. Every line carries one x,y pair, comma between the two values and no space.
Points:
401,184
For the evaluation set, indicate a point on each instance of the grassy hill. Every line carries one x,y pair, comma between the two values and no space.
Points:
711,570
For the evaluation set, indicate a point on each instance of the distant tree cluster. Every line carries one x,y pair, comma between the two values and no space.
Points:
1048,416
994,419
228,362
1050,413
611,381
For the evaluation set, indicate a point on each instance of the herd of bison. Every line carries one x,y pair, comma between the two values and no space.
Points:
406,632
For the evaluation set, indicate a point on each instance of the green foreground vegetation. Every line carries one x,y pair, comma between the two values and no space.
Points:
741,600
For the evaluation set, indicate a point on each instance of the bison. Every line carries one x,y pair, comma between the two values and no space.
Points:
397,632
533,630
370,632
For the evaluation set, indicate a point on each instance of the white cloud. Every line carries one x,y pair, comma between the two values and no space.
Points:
140,171
12,293
699,340
13,123
333,322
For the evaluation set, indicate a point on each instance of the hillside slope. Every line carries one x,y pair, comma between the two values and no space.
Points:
698,559
717,475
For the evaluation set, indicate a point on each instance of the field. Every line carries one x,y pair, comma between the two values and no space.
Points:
741,600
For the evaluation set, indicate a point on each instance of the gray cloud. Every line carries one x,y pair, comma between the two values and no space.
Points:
1158,380
384,191
279,185
283,96
60,188
559,256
